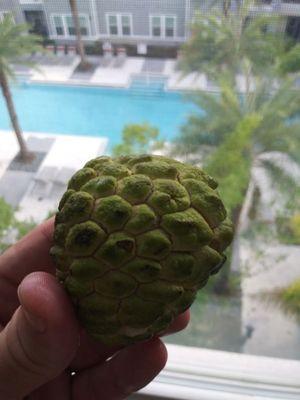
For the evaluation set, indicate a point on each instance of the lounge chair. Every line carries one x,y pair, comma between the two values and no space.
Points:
50,49
107,54
60,50
72,51
121,57
42,183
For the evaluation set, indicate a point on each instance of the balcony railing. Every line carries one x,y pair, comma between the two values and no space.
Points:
31,1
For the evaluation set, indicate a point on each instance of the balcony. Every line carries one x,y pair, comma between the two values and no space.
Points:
283,7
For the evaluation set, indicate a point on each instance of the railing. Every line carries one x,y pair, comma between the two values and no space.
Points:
30,1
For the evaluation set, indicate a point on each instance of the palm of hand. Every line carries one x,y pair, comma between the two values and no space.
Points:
57,359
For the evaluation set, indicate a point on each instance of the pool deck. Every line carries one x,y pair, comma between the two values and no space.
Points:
36,193
112,75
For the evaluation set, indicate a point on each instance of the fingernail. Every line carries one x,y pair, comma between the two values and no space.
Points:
37,323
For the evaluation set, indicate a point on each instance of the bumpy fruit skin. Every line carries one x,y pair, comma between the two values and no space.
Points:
135,239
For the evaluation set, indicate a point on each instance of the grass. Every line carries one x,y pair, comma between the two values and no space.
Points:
287,299
291,297
289,229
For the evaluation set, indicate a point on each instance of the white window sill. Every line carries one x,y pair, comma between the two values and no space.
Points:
201,374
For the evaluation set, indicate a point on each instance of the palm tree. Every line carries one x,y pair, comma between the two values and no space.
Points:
84,64
234,132
15,45
225,39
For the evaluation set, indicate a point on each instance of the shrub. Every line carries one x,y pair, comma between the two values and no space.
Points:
294,224
291,297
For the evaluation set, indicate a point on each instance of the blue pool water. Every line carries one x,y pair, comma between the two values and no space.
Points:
96,111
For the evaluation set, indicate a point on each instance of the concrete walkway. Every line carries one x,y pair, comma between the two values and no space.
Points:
267,266
113,75
37,193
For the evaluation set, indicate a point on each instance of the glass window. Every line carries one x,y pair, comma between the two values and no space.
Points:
113,24
70,26
83,26
156,26
126,28
170,26
195,94
59,26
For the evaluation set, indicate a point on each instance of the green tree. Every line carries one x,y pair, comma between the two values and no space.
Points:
15,43
6,220
84,64
136,139
231,129
290,62
220,114
6,216
233,41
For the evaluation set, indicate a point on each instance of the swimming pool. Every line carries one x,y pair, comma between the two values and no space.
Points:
92,111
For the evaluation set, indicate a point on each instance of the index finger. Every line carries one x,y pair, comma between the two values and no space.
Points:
28,255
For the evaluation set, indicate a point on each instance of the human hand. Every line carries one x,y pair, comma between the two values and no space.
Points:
41,343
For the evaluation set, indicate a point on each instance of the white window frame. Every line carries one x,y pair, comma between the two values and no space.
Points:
65,25
195,373
4,13
52,17
119,24
163,18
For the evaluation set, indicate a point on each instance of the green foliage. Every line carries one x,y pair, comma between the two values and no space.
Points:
231,129
24,227
285,184
291,297
135,139
295,226
288,229
290,62
8,221
221,42
15,43
219,115
230,163
6,216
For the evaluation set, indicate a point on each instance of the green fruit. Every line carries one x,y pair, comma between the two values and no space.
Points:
135,239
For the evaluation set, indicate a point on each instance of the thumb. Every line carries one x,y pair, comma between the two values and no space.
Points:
40,340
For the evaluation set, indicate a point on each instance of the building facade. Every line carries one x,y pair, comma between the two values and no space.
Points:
139,23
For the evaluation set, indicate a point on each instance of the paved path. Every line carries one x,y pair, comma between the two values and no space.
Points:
267,266
62,70
63,153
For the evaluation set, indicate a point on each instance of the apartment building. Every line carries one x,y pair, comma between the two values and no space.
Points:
139,23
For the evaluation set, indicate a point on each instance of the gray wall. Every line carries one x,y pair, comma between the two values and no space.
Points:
14,7
140,11
63,7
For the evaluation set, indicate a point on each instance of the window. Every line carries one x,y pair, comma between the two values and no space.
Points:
119,24
113,24
70,26
83,26
163,26
170,26
156,26
169,74
59,26
4,14
126,29
64,25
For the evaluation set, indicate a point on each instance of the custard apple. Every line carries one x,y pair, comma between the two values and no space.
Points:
135,238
